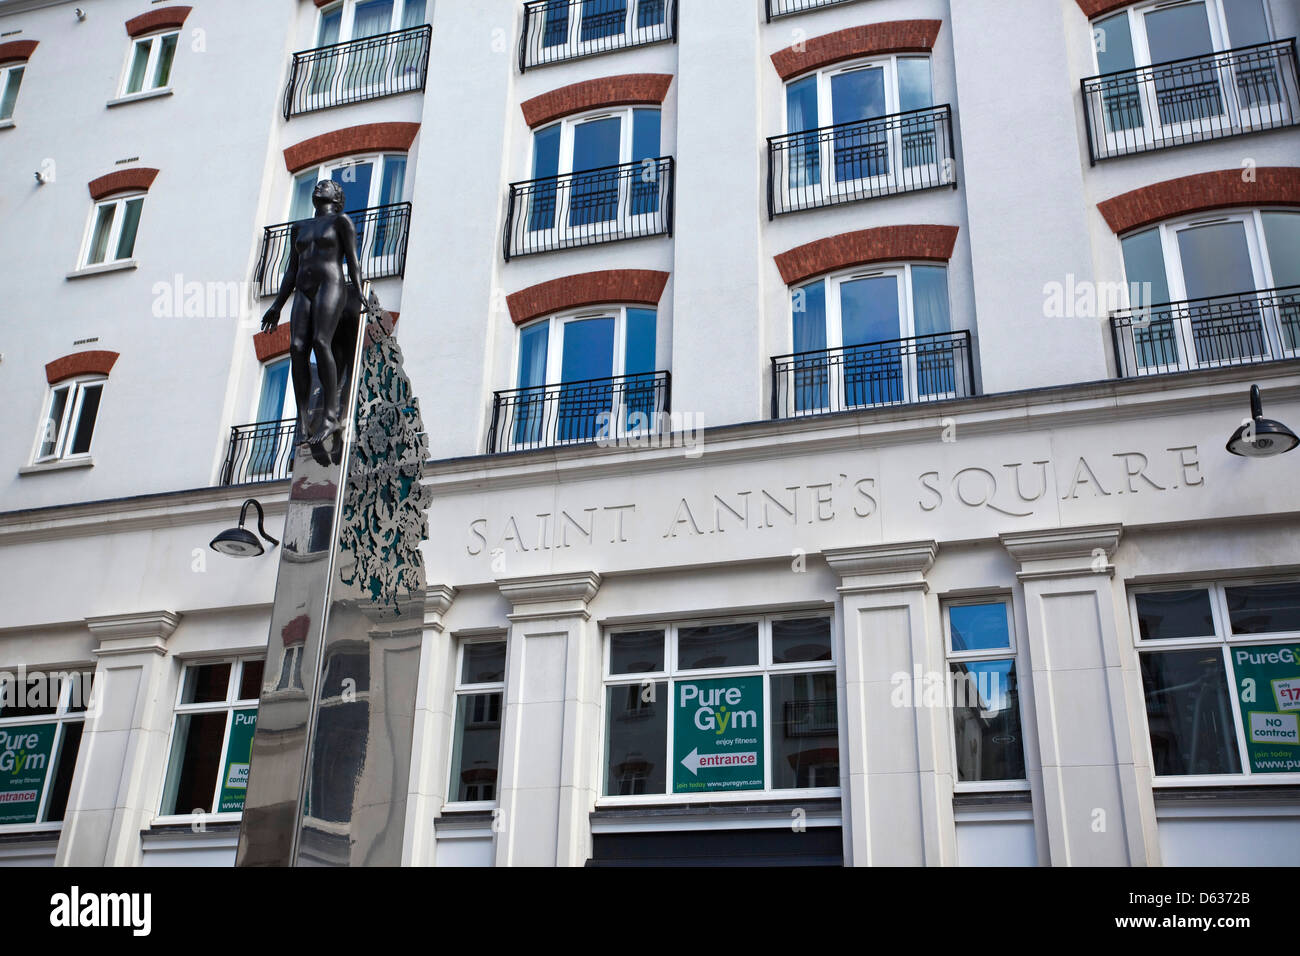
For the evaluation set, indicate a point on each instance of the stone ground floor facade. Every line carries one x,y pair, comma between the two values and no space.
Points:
1057,627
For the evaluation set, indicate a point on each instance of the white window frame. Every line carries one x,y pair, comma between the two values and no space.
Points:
62,716
348,21
832,282
6,74
462,689
624,221
1012,653
673,672
1236,116
228,706
555,363
1222,639
827,184
71,418
1260,263
119,203
155,40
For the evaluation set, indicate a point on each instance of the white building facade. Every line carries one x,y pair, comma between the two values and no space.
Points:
827,403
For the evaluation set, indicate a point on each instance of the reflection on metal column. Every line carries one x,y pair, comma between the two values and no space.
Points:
332,751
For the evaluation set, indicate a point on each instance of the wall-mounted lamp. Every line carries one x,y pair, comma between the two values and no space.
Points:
1261,437
80,14
239,542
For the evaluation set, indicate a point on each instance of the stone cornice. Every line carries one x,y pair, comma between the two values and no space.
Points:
545,596
1063,552
437,599
132,633
883,567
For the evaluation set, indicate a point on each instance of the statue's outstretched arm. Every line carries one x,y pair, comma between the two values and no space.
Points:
272,317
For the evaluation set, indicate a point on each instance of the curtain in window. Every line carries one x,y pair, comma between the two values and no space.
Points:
810,371
646,185
324,68
546,166
530,402
641,400
369,63
936,367
267,437
803,153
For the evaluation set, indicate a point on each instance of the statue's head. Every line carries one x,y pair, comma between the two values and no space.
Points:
327,191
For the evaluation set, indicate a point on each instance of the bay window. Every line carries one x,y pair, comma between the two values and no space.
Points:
212,737
1182,72
150,63
476,740
1221,676
879,335
112,231
584,376
860,129
68,423
1217,289
702,708
42,716
988,740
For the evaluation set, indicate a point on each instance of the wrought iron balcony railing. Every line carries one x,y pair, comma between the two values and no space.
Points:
785,8
924,368
1192,100
892,154
358,70
1244,329
382,232
596,205
623,410
262,451
559,30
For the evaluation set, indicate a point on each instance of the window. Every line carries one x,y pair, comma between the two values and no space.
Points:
987,736
1214,270
476,747
372,186
721,706
41,719
877,336
590,192
587,375
11,77
1221,676
212,737
1171,81
276,417
112,232
363,69
69,420
850,143
150,65
562,29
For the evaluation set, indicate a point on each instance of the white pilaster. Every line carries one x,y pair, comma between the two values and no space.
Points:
433,718
551,727
895,765
116,787
1087,699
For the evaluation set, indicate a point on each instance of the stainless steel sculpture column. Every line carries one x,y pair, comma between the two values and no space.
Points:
332,751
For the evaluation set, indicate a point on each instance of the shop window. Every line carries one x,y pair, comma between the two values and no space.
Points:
987,734
1221,677
476,748
712,707
41,720
212,738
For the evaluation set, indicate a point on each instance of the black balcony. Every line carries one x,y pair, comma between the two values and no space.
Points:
559,30
262,451
358,70
1245,329
382,232
925,368
630,201
900,153
1192,100
619,411
785,8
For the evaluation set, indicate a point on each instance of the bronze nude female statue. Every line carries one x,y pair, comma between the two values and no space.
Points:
326,309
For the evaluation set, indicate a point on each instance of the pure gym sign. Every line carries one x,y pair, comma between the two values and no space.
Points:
718,735
24,764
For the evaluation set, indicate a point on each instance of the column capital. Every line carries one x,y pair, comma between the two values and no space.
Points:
133,633
1064,552
542,596
437,599
883,567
